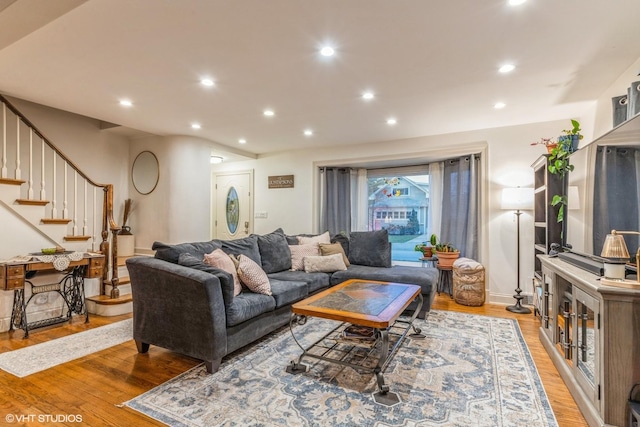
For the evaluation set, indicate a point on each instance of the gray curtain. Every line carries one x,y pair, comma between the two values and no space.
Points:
616,194
460,206
335,213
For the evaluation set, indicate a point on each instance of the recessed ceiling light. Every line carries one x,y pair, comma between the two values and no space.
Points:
499,105
327,51
126,103
368,96
308,132
268,113
242,141
195,125
507,68
391,121
516,2
216,159
207,82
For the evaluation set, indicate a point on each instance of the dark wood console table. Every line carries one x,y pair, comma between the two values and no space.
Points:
14,275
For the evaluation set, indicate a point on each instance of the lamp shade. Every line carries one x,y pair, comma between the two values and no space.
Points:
614,247
517,198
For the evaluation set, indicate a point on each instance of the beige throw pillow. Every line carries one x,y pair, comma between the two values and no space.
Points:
334,248
219,259
320,238
324,264
253,276
298,252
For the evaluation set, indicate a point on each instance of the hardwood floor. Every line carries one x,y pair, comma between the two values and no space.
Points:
93,386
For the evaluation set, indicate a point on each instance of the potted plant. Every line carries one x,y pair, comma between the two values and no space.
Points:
559,162
427,250
445,252
547,142
571,137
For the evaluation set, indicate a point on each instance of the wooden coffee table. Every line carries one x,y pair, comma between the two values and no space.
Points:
363,303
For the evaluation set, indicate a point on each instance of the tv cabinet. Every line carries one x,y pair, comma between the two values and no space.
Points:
593,339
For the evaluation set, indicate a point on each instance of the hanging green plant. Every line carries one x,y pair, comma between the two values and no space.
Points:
562,201
559,160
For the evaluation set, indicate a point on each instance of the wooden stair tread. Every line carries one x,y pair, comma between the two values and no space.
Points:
55,220
122,280
11,181
76,238
31,202
106,300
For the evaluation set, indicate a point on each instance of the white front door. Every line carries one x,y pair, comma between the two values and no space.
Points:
234,205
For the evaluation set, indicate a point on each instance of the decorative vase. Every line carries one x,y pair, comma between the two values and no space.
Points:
446,259
126,245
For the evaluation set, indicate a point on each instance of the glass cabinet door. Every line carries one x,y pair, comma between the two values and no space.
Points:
547,312
587,316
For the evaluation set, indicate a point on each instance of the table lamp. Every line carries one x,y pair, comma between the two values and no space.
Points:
617,254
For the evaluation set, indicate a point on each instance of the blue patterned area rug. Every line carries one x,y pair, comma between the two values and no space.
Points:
469,371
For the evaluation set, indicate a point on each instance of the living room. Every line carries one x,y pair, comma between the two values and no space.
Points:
181,208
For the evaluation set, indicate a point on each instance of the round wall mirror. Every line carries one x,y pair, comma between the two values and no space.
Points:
145,172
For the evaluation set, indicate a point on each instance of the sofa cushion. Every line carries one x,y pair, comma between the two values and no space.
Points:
171,253
221,260
370,248
334,248
274,252
226,281
288,292
325,264
344,242
246,246
248,305
298,252
426,278
320,238
316,281
253,276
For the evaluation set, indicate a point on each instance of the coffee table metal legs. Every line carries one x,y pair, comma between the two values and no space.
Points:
385,353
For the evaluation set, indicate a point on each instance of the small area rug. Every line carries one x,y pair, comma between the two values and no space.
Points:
469,371
39,357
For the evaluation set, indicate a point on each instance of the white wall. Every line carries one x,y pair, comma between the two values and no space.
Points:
178,209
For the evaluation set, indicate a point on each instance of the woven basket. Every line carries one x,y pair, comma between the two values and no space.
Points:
468,282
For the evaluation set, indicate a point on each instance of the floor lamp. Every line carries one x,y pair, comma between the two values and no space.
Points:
517,199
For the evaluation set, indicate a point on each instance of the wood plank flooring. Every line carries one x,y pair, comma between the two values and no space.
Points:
92,386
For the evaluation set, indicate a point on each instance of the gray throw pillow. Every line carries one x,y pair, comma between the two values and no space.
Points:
246,246
274,252
226,280
371,248
171,253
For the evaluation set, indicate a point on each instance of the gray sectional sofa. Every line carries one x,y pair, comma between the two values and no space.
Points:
185,305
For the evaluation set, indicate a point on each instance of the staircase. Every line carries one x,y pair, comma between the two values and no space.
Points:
54,202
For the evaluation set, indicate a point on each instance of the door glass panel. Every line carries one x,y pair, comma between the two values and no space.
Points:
586,341
233,210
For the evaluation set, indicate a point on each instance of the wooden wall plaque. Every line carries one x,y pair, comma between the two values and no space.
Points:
281,181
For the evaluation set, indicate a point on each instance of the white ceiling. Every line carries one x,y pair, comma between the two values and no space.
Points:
432,64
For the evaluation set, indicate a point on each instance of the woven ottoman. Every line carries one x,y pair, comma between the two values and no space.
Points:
468,282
